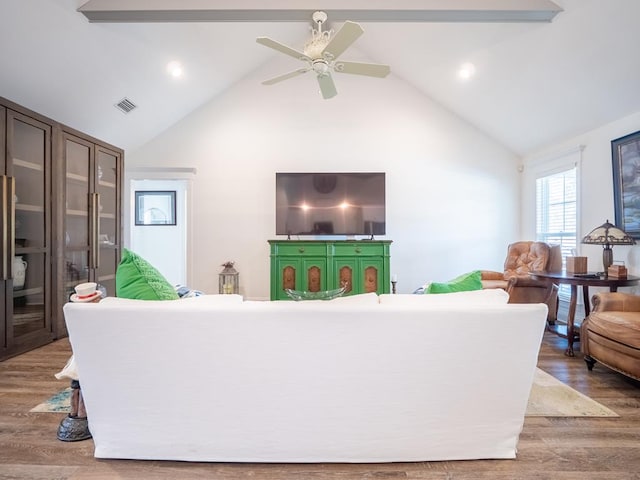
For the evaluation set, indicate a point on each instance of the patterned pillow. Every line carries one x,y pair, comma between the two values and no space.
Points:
138,279
186,292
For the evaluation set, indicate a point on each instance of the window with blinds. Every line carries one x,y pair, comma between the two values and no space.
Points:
556,210
556,213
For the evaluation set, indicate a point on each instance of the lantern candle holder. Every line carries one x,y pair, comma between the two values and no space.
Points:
228,279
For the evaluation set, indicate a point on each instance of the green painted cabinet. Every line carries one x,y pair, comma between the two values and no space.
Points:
314,266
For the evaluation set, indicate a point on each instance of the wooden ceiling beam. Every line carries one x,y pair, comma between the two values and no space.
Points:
171,11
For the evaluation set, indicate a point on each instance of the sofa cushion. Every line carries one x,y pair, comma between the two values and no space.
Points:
138,279
623,327
463,283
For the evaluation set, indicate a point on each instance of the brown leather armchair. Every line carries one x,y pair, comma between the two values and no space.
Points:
524,257
611,333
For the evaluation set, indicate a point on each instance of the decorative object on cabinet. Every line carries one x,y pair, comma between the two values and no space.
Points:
607,235
316,266
298,295
229,279
19,272
625,155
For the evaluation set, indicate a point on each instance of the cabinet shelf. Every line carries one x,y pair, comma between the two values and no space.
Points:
107,184
77,213
27,291
77,178
25,164
23,207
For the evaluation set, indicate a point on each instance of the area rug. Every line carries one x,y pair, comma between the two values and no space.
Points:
549,398
59,403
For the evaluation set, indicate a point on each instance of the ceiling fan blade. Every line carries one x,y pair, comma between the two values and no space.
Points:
343,38
267,42
286,76
369,69
327,87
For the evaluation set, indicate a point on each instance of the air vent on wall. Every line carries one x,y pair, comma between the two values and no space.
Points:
125,105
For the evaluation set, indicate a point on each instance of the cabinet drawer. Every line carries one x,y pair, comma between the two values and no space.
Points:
301,249
351,249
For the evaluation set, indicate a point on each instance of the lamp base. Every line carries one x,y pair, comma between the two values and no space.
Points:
607,258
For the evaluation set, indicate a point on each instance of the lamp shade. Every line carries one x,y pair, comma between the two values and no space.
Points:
608,234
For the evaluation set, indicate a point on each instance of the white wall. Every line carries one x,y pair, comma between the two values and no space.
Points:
164,246
452,192
596,189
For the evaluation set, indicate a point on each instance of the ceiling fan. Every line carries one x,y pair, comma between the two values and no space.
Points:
321,53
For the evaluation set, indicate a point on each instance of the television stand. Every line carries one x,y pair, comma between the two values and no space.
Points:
318,265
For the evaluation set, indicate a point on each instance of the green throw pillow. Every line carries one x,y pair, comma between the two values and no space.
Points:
138,279
463,283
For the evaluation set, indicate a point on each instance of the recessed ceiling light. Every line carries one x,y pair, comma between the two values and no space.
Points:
175,69
466,71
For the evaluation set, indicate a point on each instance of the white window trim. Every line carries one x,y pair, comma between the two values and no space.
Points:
549,164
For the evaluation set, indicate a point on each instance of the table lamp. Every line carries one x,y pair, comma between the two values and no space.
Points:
607,235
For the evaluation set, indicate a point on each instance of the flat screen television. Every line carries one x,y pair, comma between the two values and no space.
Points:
351,203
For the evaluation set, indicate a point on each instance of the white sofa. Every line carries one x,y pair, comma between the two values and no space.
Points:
357,379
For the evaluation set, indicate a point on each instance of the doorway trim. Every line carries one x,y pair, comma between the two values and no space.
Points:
161,173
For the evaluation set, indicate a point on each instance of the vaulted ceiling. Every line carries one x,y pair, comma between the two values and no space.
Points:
535,83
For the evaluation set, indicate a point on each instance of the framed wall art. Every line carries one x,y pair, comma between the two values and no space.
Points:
155,207
625,152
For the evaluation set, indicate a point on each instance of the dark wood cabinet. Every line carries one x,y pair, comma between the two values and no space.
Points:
60,222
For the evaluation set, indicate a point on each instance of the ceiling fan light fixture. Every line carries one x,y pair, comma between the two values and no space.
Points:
321,67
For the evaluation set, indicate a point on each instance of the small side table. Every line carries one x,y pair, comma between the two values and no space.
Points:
574,280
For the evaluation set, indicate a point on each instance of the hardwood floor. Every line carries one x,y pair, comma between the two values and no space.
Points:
549,448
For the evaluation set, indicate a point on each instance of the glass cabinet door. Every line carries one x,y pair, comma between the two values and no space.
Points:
79,156
108,225
29,168
92,219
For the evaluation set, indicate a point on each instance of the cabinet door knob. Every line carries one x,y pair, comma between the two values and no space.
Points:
358,250
301,250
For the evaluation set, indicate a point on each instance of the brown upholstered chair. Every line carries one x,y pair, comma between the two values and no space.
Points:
611,333
524,257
